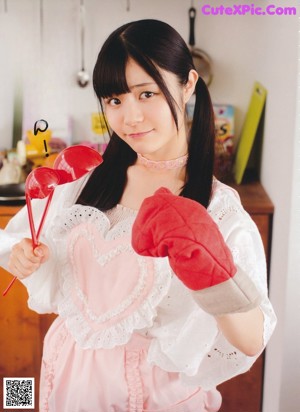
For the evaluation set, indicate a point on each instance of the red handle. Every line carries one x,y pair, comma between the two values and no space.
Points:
9,286
34,235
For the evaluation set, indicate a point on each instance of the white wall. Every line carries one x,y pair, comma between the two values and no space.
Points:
244,49
49,66
278,174
290,376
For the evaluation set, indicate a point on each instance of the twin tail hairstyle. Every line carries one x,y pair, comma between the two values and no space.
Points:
154,45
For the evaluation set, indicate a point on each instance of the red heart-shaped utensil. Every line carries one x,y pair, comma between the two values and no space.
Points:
41,182
76,161
70,164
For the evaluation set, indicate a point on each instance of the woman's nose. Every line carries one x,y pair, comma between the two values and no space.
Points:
133,114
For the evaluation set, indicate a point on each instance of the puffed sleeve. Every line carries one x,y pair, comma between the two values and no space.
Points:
186,338
42,285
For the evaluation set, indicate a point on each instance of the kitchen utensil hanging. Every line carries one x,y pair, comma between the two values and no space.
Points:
41,26
201,59
82,76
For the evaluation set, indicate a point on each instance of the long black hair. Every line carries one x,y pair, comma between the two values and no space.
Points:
152,44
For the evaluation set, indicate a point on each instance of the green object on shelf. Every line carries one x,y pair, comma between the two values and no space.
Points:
249,130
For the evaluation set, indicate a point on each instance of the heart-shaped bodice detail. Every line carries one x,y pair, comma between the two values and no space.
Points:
108,290
110,279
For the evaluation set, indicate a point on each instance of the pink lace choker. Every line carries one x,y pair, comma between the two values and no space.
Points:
163,164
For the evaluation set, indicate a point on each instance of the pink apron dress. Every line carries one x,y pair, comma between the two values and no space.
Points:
95,353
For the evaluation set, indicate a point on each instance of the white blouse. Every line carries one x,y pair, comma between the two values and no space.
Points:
184,338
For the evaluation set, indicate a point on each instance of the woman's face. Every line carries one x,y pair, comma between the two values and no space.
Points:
142,117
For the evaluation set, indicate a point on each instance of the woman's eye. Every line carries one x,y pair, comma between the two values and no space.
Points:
147,95
113,101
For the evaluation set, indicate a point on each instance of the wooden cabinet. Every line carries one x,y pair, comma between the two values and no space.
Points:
22,330
244,393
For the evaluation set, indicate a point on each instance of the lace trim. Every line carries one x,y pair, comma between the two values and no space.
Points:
49,368
120,333
163,164
126,209
78,214
225,204
142,317
134,381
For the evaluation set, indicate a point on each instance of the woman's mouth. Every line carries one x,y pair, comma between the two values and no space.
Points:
138,135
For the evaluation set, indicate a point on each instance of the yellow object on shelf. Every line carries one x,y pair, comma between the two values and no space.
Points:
36,142
99,124
249,131
37,146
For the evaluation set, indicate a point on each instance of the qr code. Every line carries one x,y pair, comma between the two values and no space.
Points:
18,393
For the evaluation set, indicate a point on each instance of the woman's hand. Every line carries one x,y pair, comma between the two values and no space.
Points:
24,260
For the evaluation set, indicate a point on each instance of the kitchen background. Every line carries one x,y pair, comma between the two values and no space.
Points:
40,57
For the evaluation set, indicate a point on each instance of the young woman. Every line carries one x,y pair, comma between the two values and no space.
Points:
160,293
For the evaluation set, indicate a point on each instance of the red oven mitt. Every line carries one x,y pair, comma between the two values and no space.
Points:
181,228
